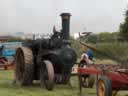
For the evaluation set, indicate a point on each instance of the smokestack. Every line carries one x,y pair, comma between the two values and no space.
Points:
65,25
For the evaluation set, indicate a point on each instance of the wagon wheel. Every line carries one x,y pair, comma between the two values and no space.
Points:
81,64
47,75
91,81
87,81
104,87
24,66
80,83
82,78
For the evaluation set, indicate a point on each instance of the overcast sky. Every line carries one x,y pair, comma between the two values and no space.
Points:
38,16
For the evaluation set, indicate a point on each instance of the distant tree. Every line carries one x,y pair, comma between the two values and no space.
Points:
78,47
116,51
18,39
124,27
15,39
115,34
105,37
93,38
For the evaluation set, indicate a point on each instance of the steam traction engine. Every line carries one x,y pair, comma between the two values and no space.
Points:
48,59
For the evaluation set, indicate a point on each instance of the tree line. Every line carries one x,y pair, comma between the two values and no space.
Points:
113,44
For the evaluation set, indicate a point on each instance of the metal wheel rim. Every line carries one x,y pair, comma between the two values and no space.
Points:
19,65
48,75
101,88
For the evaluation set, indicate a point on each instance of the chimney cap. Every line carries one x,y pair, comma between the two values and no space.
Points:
65,14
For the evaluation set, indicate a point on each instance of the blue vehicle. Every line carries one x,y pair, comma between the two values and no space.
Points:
7,53
9,49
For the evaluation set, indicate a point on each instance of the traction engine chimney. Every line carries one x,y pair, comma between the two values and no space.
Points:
65,26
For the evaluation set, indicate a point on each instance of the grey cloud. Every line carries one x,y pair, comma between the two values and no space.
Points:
39,16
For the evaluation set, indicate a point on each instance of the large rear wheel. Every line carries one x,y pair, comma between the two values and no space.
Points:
47,75
24,66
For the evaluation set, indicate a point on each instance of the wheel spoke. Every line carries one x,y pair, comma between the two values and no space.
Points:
101,88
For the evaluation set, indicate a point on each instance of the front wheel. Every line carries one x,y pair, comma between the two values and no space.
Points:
47,75
104,87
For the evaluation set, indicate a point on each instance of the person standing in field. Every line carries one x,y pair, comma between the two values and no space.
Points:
88,56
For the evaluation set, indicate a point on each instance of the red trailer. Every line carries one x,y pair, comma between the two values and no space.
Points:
6,64
109,78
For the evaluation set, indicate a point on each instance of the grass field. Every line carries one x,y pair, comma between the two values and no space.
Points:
9,89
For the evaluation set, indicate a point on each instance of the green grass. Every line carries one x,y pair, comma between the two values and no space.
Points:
9,89
106,61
